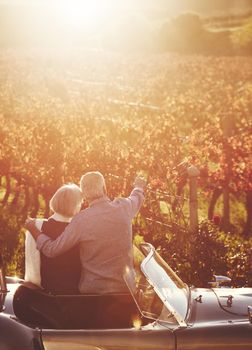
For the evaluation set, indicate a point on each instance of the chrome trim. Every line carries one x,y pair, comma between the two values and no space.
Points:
219,280
250,313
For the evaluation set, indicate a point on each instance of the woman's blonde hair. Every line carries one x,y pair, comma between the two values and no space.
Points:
93,185
67,200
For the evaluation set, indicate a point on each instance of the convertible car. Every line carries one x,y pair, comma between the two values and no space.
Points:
160,312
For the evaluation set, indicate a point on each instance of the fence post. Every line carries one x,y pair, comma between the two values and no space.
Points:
193,173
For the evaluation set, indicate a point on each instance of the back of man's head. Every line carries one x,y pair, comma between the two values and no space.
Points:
93,185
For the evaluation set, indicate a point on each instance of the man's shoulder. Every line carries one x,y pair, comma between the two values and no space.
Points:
81,215
84,214
79,219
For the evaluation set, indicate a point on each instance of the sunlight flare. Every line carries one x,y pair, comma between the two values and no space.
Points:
78,15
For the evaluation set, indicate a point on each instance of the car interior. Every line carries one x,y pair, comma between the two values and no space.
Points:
36,307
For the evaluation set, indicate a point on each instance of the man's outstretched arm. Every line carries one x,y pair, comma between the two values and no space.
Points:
51,248
30,225
136,197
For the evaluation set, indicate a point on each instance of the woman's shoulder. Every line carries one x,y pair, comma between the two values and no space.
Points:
51,222
53,228
39,223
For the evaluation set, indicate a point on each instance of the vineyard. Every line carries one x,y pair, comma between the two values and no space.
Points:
62,114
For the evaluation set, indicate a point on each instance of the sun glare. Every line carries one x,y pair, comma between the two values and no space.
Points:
81,14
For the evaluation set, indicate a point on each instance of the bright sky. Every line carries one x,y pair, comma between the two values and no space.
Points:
89,14
102,3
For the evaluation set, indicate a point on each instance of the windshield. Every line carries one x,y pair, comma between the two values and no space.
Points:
158,291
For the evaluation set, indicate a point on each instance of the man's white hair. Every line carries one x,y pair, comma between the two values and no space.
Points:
93,185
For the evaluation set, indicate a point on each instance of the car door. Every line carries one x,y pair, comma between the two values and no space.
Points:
149,338
235,335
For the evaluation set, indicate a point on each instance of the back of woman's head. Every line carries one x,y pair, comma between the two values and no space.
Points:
66,200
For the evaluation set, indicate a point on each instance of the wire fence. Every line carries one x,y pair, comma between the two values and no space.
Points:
173,205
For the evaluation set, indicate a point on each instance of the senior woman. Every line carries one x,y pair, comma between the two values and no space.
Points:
62,273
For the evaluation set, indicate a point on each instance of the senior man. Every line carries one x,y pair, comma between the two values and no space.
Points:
103,232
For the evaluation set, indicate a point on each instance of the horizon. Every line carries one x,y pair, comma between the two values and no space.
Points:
166,5
93,23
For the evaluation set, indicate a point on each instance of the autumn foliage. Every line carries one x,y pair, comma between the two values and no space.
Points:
62,114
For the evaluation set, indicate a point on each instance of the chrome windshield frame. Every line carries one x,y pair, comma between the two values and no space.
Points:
149,251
